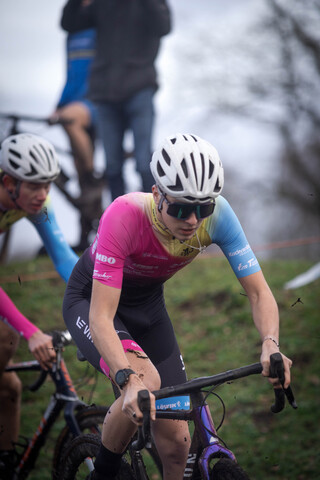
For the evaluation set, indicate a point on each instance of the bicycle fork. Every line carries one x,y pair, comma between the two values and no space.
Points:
205,445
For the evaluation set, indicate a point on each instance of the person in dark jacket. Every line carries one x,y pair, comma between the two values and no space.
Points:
123,77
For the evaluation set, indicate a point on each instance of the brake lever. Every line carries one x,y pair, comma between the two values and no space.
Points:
277,371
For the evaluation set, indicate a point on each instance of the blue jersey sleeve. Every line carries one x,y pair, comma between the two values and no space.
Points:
228,234
62,255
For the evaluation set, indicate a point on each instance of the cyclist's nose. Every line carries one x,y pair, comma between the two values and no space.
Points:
42,193
192,219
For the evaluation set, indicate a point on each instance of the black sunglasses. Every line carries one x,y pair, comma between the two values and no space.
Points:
184,210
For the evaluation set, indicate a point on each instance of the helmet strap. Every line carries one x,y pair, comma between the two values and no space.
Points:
160,204
162,198
15,195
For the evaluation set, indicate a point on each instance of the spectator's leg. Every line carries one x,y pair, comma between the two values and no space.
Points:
140,114
111,130
80,140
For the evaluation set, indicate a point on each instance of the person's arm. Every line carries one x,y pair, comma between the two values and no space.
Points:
266,318
77,17
103,307
62,255
40,344
158,15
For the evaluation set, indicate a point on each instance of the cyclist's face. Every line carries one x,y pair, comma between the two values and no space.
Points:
32,196
182,229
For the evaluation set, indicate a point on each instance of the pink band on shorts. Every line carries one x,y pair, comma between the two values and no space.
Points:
127,345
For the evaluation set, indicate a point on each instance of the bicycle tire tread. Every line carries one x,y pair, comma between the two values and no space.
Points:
86,418
82,447
227,469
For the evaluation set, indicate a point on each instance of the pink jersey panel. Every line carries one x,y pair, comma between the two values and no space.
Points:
126,245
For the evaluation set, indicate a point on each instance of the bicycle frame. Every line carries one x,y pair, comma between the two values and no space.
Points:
204,440
205,443
64,397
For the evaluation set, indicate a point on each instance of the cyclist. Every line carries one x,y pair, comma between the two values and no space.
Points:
117,285
28,165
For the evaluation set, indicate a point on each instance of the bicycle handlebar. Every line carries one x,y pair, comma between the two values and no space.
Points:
60,339
196,384
54,120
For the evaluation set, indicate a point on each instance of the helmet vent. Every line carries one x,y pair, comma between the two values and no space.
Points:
46,153
160,170
15,153
177,187
217,187
32,155
173,140
166,157
194,167
184,167
32,173
211,169
203,170
194,138
13,164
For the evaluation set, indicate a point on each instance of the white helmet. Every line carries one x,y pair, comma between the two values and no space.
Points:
29,158
188,167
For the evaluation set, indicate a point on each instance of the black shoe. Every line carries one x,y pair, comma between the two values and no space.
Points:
90,476
8,462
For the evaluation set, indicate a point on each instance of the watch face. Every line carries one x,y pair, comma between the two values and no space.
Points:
121,378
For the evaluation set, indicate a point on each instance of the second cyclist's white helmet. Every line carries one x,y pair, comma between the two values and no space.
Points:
188,167
29,158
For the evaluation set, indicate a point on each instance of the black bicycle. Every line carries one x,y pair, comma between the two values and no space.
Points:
209,458
79,417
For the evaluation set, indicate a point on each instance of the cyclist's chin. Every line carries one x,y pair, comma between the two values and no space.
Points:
183,235
33,209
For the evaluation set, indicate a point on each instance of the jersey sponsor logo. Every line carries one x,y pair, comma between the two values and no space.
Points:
250,263
240,252
101,275
105,259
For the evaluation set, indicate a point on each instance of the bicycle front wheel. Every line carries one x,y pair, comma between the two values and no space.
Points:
82,452
90,420
227,469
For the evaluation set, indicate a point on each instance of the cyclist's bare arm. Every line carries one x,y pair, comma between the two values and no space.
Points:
103,307
266,318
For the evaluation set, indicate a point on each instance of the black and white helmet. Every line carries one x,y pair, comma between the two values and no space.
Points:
188,167
29,158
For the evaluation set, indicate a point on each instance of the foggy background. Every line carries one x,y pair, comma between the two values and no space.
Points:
244,75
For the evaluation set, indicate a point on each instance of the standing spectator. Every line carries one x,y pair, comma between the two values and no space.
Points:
75,105
123,76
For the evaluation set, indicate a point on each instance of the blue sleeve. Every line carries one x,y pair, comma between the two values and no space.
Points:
62,255
228,234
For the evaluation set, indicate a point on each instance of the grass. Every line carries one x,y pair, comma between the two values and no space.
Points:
212,319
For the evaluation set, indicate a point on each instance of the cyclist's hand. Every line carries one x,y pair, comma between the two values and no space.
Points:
268,348
130,402
40,345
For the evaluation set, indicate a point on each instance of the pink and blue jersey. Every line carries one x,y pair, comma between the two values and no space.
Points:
133,247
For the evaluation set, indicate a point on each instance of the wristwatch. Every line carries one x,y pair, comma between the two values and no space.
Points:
122,377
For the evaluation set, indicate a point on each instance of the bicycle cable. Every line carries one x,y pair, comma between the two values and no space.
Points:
207,394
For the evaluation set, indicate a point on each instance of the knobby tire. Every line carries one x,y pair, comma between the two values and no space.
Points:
81,448
89,420
227,469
